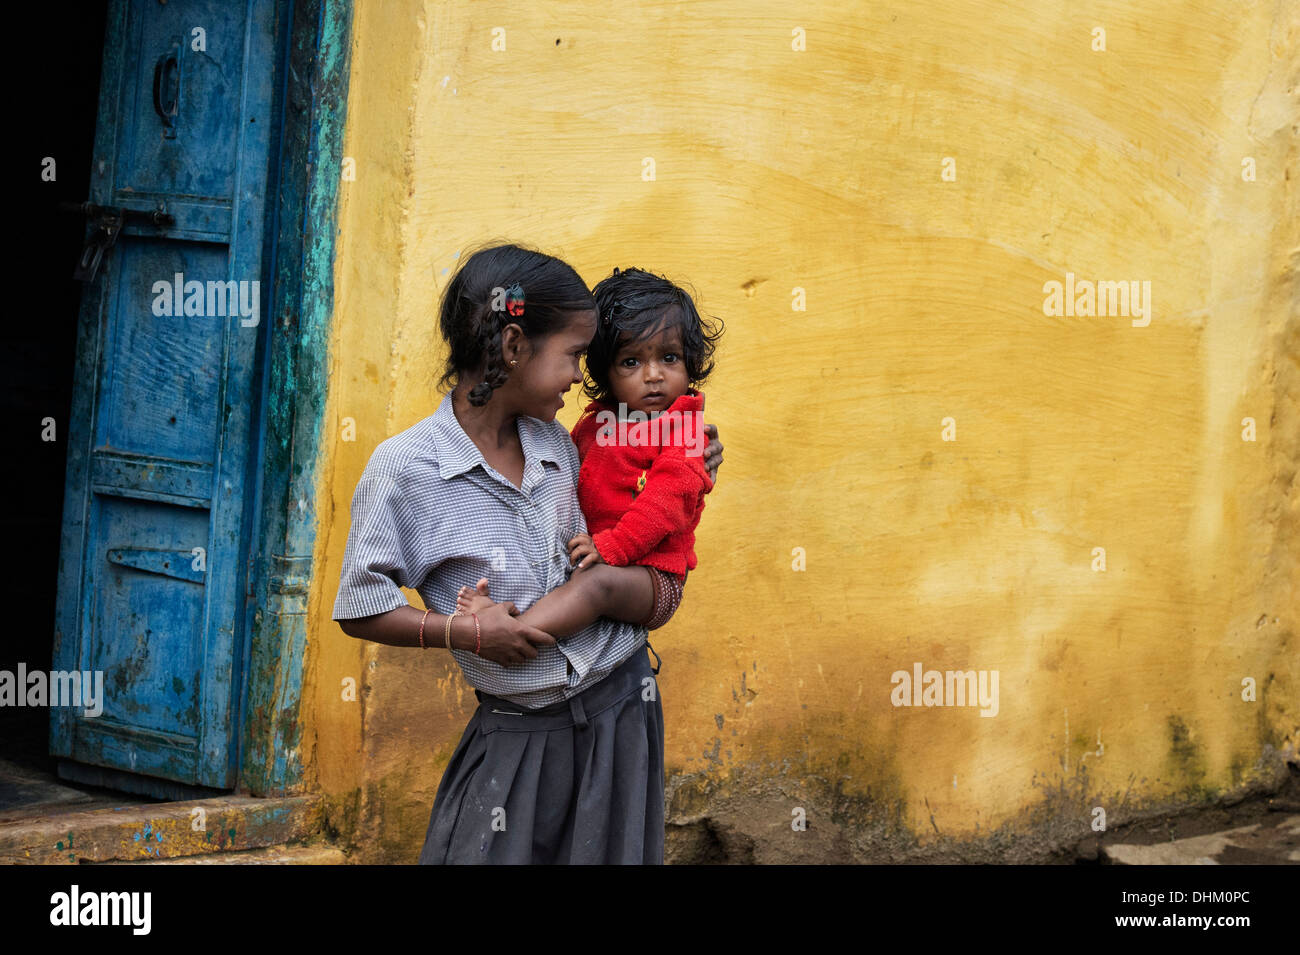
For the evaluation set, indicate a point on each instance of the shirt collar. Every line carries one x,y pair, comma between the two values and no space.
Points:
458,454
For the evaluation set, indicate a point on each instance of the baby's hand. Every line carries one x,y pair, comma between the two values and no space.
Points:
583,552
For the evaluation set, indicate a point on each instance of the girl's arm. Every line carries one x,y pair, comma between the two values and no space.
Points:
503,637
380,558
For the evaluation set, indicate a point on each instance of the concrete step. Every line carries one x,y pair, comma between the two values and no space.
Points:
273,855
161,830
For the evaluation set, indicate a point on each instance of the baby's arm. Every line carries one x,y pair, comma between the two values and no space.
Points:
606,587
668,504
622,593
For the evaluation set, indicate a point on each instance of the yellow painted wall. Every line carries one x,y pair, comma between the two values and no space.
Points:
820,169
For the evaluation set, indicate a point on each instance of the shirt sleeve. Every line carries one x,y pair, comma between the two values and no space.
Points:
383,551
673,493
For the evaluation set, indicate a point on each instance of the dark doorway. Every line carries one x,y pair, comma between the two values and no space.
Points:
53,101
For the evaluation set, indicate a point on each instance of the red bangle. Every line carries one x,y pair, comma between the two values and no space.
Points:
422,619
477,644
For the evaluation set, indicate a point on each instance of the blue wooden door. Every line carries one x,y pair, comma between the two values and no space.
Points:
161,467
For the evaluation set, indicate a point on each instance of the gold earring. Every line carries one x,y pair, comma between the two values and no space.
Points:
513,362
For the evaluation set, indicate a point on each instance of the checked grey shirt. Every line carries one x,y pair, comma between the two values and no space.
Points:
429,513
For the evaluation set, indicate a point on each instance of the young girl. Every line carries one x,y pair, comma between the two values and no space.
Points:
562,760
642,482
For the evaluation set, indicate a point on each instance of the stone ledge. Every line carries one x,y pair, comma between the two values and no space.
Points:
274,855
165,830
1257,844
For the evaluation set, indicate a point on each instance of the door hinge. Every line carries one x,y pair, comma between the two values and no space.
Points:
109,221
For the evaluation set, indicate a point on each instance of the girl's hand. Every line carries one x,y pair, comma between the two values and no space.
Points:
712,451
505,640
583,552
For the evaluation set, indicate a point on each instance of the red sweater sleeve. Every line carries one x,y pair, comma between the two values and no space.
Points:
674,484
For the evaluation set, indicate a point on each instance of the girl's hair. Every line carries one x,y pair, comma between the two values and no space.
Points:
474,305
632,303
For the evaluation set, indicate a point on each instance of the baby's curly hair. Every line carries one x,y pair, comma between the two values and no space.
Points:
632,303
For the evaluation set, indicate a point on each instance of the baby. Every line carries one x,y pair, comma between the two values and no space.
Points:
642,482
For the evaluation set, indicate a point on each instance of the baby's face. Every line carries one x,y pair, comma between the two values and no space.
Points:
650,375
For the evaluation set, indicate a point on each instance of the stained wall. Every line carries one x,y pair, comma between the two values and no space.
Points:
924,464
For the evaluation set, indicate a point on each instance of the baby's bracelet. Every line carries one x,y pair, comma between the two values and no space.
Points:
447,634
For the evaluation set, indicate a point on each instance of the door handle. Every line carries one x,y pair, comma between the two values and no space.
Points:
166,91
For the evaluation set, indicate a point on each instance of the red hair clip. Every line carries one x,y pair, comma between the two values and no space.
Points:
515,300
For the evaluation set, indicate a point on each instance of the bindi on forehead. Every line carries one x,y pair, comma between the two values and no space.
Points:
667,340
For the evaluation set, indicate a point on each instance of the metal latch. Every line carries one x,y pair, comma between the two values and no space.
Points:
109,221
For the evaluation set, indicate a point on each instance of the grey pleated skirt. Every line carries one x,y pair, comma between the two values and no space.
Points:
576,782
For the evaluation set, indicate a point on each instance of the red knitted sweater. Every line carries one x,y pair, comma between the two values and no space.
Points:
642,484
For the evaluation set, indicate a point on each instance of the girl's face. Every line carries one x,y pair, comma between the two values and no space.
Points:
649,375
551,366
